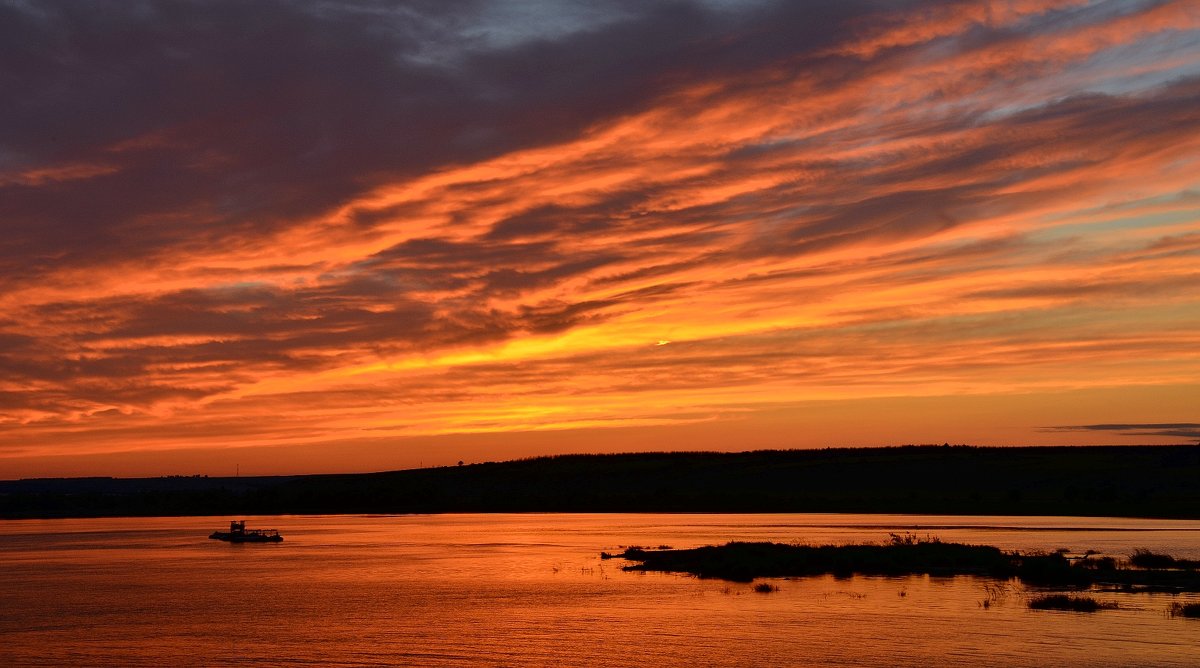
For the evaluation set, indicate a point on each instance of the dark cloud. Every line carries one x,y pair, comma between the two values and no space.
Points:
1176,429
1110,289
552,220
221,119
1136,425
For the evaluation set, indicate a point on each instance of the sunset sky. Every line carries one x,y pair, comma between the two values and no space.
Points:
293,237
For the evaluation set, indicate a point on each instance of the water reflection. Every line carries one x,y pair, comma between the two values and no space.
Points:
531,590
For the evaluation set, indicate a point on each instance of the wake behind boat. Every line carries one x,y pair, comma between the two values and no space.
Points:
238,533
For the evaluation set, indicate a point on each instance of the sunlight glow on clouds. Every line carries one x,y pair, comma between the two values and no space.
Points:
280,224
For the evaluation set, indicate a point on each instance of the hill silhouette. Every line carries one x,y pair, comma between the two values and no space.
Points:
1143,481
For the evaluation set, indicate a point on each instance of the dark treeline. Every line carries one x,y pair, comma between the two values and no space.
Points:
1136,481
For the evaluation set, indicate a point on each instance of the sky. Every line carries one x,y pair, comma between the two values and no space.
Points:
297,237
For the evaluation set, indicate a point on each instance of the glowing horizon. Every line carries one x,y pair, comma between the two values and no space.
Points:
316,238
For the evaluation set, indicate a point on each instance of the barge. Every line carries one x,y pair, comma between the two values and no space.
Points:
238,533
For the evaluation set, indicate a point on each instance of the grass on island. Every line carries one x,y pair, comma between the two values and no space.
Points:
906,555
1191,610
1069,603
764,588
1143,558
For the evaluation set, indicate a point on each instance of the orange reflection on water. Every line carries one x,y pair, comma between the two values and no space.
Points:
531,590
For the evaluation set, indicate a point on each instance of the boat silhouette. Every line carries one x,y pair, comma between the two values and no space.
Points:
238,533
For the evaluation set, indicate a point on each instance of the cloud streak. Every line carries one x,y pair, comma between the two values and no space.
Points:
1174,430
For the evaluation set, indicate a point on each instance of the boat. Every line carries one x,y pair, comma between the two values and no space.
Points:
238,533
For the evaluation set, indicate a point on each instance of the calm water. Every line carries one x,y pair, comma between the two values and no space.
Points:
531,590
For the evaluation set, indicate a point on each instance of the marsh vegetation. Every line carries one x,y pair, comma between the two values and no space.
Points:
1068,602
908,555
1191,610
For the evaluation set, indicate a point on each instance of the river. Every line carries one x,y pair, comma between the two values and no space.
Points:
530,589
